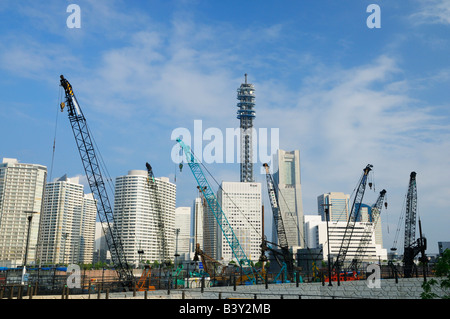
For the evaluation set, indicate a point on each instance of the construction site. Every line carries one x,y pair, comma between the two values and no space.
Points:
279,272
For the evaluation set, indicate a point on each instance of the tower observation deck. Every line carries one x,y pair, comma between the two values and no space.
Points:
246,114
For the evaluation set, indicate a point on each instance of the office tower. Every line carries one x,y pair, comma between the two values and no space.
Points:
21,196
241,204
67,224
246,114
145,219
287,177
87,231
183,232
338,205
197,221
101,252
211,231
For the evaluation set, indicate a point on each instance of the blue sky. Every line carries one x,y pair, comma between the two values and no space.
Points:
343,94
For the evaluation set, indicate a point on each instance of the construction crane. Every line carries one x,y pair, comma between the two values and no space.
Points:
218,213
279,226
412,247
153,188
352,219
96,183
368,230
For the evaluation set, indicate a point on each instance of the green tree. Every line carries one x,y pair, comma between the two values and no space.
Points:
442,271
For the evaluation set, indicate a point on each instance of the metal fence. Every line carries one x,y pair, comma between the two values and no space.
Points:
53,281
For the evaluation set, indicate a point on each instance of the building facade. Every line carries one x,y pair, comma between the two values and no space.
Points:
183,232
362,246
197,223
21,198
338,205
242,206
288,181
67,227
144,217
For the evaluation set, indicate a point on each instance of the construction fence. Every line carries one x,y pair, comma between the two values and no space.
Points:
56,281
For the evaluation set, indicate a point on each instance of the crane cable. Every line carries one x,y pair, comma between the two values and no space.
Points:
55,133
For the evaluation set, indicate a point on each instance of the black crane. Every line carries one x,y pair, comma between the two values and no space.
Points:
96,184
412,247
162,244
352,219
279,226
368,231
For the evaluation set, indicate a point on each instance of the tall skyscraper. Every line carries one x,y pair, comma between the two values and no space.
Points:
139,216
198,221
21,196
241,204
338,204
183,232
246,114
288,179
67,224
87,231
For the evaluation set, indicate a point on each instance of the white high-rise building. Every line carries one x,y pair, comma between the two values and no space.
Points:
338,205
288,179
21,192
140,217
183,232
242,205
67,224
87,232
198,220
367,248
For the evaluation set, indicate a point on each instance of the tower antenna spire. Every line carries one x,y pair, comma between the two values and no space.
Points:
246,114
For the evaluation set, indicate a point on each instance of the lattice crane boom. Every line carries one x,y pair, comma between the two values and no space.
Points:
96,182
353,217
153,186
279,224
216,209
412,247
369,229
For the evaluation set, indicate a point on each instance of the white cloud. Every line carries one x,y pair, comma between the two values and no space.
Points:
432,11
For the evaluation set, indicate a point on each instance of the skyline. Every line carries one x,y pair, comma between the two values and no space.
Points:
343,94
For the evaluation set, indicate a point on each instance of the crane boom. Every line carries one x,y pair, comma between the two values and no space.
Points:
368,231
353,217
273,196
96,183
216,209
411,246
279,224
163,249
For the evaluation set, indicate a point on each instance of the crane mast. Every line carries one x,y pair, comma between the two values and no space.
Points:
411,246
368,231
163,250
96,183
279,224
353,217
217,211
